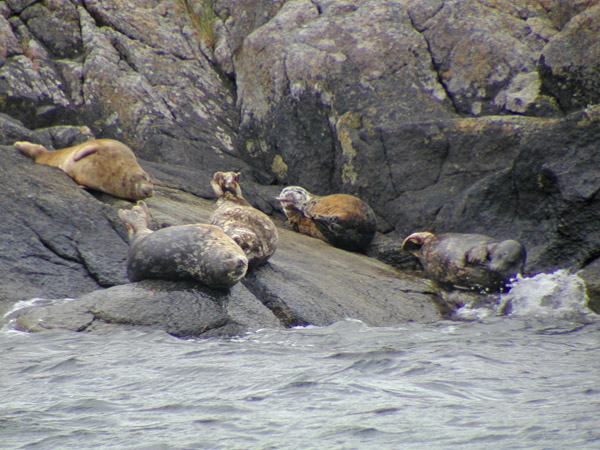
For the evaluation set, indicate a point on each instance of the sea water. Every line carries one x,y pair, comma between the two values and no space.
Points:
529,379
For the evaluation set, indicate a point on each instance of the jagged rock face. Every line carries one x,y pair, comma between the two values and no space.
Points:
133,71
440,114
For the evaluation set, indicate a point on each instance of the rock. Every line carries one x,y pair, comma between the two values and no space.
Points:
474,116
293,85
309,282
479,49
591,278
178,308
58,240
570,62
294,288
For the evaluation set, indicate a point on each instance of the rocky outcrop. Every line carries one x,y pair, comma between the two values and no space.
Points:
66,242
467,116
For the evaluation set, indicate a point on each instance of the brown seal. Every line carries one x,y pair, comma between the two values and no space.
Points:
199,252
342,220
252,229
102,164
471,261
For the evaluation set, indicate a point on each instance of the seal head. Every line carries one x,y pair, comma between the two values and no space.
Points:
199,252
471,261
342,220
250,228
101,164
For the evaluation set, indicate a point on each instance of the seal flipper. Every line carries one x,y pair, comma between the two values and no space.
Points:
327,224
478,255
84,151
30,149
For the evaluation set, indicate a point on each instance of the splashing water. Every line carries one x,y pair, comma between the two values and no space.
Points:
559,294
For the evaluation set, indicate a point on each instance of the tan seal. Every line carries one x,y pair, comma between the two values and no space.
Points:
199,252
102,164
471,261
252,229
342,220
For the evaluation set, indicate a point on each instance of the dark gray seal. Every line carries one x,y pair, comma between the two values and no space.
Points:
199,252
470,261
250,228
102,164
342,220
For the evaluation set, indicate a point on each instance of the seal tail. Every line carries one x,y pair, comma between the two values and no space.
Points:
30,149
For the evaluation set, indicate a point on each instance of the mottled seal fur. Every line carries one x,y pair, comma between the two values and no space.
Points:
471,261
342,220
199,252
252,229
102,164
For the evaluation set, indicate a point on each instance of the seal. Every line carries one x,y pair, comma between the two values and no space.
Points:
199,252
471,261
252,229
102,164
342,220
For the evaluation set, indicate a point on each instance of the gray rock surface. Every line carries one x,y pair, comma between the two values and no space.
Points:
475,116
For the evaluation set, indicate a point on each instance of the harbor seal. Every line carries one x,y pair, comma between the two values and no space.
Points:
252,229
199,252
102,164
471,261
341,220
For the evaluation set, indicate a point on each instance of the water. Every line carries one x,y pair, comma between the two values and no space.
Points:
526,380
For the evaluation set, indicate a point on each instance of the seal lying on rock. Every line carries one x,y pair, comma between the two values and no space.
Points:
342,220
252,229
199,252
470,261
102,164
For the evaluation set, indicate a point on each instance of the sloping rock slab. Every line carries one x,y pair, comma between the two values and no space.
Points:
310,282
178,308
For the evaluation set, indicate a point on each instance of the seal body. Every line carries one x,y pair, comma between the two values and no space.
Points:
471,261
342,220
199,252
250,228
102,164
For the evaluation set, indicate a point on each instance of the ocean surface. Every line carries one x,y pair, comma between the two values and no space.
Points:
526,380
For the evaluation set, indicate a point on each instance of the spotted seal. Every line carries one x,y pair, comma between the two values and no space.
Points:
252,229
199,252
102,164
471,261
342,220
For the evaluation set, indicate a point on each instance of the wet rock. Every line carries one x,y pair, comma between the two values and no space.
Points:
178,308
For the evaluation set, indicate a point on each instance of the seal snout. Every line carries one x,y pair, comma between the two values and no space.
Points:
237,266
143,187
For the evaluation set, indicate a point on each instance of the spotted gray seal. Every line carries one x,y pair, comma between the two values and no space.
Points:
252,229
342,220
470,261
199,252
102,164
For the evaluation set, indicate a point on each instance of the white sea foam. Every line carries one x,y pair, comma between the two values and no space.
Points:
9,318
559,294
